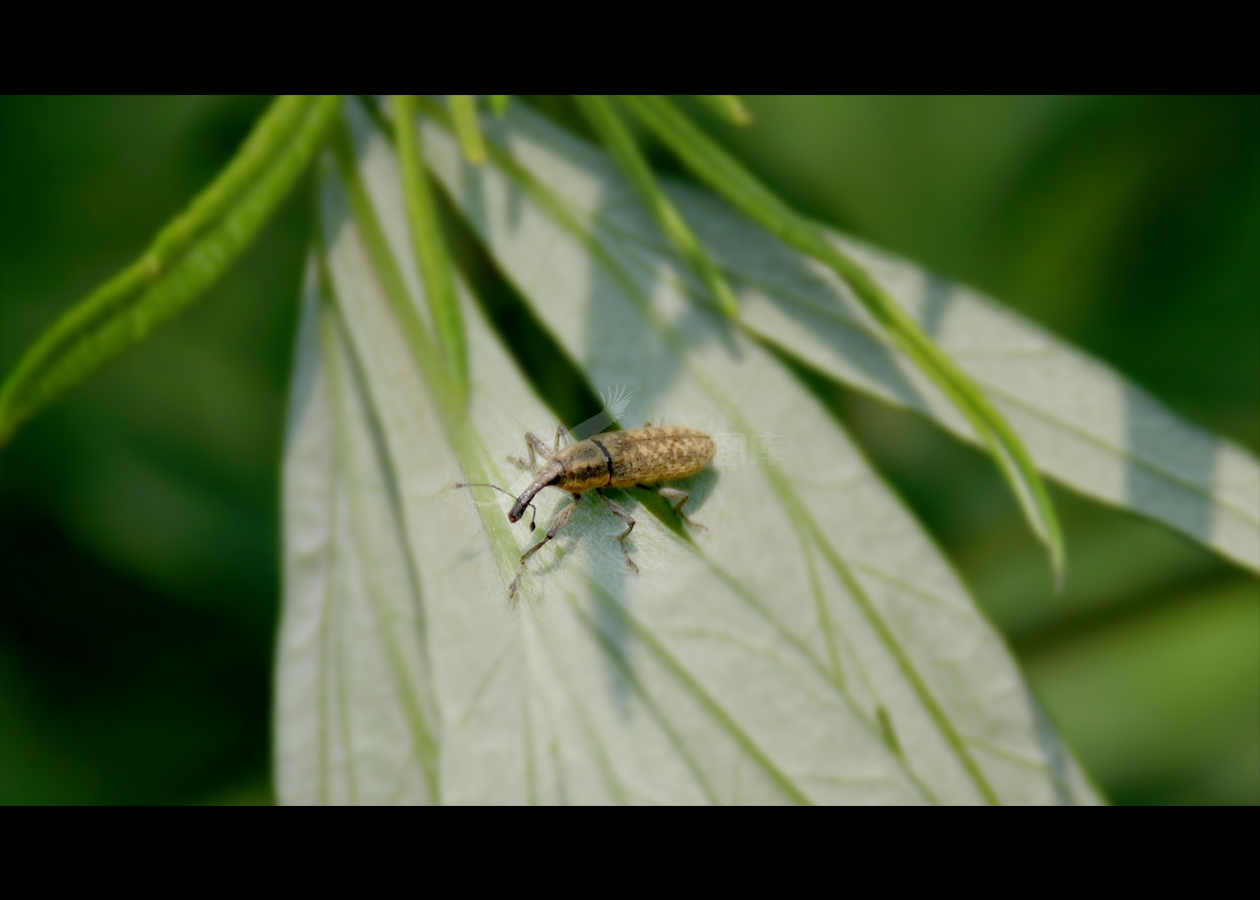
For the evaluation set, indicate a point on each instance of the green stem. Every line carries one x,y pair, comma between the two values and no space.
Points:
432,257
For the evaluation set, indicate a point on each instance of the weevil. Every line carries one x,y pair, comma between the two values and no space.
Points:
612,459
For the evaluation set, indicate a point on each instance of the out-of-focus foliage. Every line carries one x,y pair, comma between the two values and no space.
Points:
138,520
139,516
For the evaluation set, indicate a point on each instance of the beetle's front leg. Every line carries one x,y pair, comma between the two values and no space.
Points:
536,449
561,520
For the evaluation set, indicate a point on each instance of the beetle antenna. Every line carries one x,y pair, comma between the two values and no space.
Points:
533,521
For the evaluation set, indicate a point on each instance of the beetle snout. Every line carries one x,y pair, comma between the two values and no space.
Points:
521,504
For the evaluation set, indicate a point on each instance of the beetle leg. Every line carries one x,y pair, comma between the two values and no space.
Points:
561,520
536,444
562,434
670,493
520,463
618,511
536,448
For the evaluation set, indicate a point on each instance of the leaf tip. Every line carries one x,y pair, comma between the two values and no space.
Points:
728,107
1058,564
467,132
499,104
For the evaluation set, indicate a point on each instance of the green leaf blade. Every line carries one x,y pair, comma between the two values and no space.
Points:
1084,424
730,180
351,596
255,156
594,685
184,260
464,113
623,149
432,257
741,666
727,107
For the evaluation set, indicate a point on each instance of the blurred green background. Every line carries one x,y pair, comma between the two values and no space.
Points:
139,533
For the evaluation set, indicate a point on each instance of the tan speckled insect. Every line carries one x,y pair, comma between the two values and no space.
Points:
617,459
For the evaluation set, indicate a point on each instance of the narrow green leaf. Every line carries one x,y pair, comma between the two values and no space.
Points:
259,151
621,145
181,263
386,266
731,180
464,112
728,107
432,257
499,104
384,238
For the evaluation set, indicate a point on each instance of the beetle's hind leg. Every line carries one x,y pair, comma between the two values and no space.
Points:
561,520
536,449
619,511
670,493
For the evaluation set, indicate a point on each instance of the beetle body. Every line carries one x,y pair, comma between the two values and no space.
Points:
622,459
613,459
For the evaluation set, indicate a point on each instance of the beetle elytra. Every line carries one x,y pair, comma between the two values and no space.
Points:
640,456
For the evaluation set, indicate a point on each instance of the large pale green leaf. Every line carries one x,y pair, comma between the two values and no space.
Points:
1085,425
811,647
355,719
